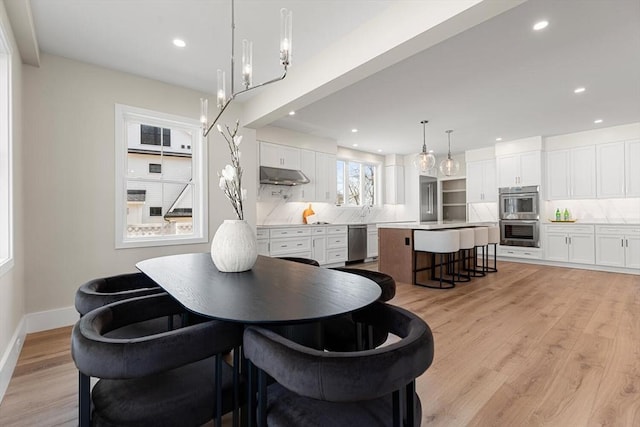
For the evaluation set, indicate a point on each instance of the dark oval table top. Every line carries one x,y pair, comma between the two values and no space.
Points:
273,291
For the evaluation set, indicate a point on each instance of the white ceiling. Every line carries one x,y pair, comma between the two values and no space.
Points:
498,79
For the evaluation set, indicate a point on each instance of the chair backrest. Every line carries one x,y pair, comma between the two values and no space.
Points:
467,238
106,290
481,236
494,234
387,283
301,260
99,356
347,376
440,241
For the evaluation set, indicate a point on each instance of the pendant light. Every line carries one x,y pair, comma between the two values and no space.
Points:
449,166
424,160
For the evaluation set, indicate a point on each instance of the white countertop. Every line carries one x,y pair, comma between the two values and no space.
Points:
433,225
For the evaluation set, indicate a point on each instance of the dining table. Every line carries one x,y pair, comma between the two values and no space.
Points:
286,296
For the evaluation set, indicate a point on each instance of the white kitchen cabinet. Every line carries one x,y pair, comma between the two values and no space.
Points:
337,243
262,237
394,184
617,174
279,156
571,174
481,181
519,169
570,243
372,240
618,246
290,241
307,192
325,178
319,244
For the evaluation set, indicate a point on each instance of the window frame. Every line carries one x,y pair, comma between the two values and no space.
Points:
200,218
376,181
6,154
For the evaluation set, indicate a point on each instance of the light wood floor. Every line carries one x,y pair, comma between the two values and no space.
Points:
530,345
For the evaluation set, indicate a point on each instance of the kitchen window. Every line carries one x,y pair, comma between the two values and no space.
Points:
161,187
356,183
6,141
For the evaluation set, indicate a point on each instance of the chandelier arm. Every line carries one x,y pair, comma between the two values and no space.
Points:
233,95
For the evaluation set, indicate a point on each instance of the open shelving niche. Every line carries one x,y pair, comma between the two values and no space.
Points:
453,197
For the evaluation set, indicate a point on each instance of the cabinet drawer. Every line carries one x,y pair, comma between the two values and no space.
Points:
518,252
262,233
337,241
618,229
287,246
315,231
277,233
569,229
337,229
336,255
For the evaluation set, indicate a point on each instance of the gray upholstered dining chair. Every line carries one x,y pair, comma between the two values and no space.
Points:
363,388
172,378
105,290
301,260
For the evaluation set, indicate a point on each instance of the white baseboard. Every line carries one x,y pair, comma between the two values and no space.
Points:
10,357
51,319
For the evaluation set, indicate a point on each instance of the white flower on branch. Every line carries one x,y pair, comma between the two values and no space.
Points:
229,173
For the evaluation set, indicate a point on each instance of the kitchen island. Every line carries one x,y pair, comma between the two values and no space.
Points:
395,246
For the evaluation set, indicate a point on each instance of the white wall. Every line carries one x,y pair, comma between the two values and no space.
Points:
12,288
69,174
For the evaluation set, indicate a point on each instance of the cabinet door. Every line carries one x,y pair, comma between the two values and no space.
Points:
610,170
319,249
279,156
557,175
632,251
307,192
475,172
490,189
326,177
581,248
556,247
530,170
507,168
583,173
610,250
372,244
632,180
263,247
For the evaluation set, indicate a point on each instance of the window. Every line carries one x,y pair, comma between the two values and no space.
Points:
6,173
152,135
160,188
356,183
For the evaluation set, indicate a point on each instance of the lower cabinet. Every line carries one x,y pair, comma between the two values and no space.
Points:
618,246
319,244
337,243
372,240
326,244
570,243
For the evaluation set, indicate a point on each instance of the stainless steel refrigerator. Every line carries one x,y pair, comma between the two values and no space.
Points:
428,198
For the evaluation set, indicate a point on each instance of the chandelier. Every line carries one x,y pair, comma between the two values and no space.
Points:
223,100
449,166
424,160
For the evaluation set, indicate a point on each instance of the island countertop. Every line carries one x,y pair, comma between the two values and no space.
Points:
434,225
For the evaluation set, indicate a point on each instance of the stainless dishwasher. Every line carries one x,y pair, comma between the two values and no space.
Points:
357,242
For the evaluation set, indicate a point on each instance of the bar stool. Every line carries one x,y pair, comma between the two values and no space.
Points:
443,242
494,239
481,241
467,244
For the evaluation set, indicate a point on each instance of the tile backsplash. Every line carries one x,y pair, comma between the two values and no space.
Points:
597,210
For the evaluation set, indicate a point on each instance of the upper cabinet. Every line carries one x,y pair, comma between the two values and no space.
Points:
617,176
519,169
279,156
326,176
481,181
571,174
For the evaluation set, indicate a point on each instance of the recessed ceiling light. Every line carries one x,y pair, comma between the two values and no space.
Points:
292,113
579,90
498,139
540,25
354,130
354,145
179,43
596,121
379,150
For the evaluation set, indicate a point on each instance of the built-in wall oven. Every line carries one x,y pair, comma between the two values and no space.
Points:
520,216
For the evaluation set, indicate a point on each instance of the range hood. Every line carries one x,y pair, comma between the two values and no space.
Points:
277,176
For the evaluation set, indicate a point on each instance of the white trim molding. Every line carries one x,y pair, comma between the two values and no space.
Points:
10,357
51,319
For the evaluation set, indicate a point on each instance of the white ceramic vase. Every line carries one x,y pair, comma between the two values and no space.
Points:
234,247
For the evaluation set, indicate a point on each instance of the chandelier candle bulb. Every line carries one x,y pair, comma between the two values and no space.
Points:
247,63
222,89
204,112
286,20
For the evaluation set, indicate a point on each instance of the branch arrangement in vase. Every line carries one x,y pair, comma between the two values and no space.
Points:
231,176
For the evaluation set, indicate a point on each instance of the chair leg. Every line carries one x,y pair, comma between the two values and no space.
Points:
84,400
218,382
410,403
397,416
236,386
262,398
